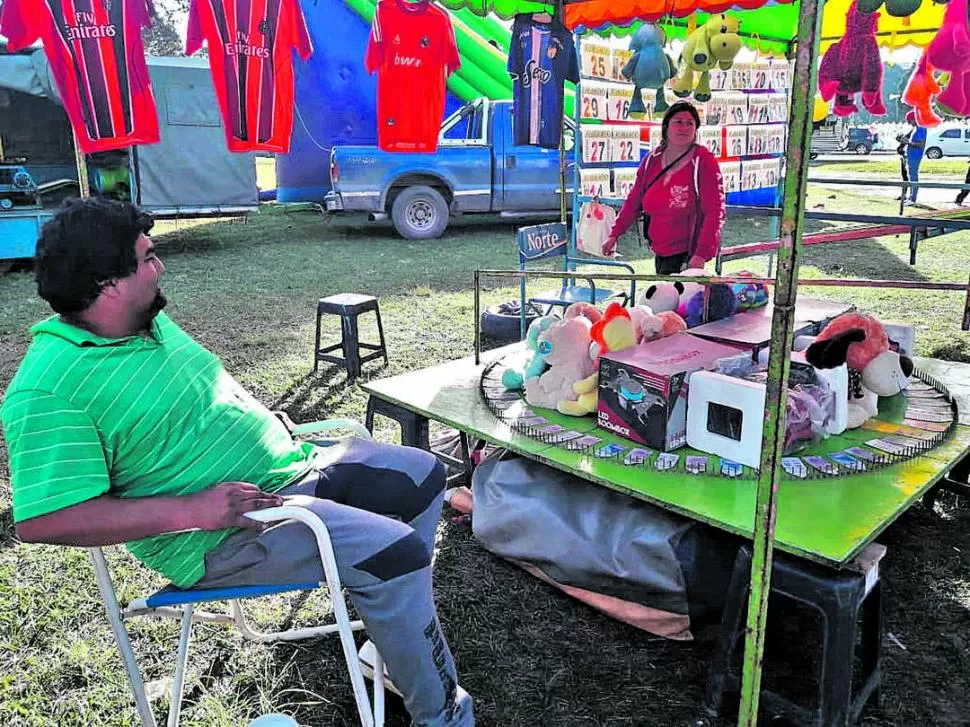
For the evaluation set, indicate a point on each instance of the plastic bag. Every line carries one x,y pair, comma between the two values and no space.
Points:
595,223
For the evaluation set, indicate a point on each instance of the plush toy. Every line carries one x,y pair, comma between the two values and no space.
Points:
851,65
721,303
919,93
713,44
569,384
514,379
896,8
750,295
622,328
875,370
650,67
662,296
660,325
949,51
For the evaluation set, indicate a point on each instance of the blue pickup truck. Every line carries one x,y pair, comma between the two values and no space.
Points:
476,170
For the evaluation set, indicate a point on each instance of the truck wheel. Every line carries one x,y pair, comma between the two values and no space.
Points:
934,152
420,213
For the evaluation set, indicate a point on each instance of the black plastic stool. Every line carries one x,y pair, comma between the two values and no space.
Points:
838,595
348,306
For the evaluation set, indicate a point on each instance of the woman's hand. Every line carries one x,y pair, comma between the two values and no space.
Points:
696,263
609,246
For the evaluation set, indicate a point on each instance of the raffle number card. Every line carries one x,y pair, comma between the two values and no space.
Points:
737,108
623,181
597,144
736,140
758,105
757,140
618,103
620,59
710,136
731,176
597,60
716,111
741,76
776,138
626,144
760,76
594,101
720,80
595,182
777,108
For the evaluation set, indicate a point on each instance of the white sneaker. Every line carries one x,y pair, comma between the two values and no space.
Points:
367,656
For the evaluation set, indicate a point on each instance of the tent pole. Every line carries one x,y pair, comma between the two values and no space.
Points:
779,363
82,168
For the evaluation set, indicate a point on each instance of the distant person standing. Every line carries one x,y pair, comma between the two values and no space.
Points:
962,194
910,150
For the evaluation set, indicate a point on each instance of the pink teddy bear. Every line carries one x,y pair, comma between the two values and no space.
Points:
852,66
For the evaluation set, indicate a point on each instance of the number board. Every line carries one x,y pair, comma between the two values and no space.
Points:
737,108
597,146
757,140
710,136
656,136
626,144
716,112
760,76
595,182
758,109
749,176
620,58
736,141
618,103
777,108
780,75
594,101
597,60
623,181
741,74
731,176
776,138
720,80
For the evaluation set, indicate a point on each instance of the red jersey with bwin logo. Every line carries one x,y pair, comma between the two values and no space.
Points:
96,55
412,47
250,53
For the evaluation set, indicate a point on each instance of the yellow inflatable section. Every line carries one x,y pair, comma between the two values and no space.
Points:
917,29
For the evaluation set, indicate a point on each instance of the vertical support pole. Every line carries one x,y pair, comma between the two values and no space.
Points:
478,313
965,326
82,168
779,360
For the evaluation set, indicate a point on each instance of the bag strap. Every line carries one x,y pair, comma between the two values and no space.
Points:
666,169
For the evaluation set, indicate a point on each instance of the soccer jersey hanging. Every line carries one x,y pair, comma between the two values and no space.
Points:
250,53
96,55
412,47
542,58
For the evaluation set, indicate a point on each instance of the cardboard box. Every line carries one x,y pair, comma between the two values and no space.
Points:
643,390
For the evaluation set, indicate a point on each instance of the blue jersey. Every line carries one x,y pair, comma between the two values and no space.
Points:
542,58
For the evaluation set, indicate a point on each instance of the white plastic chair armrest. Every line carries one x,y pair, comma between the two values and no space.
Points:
301,430
291,512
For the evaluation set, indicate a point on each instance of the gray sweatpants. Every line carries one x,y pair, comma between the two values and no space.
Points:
381,504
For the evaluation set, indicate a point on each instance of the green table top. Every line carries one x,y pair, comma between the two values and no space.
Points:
828,520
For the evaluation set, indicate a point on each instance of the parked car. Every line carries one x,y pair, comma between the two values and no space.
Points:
834,137
860,140
948,140
477,169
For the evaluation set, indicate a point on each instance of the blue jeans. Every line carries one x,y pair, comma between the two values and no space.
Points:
381,504
912,165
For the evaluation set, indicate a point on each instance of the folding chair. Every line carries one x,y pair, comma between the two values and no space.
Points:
541,242
173,602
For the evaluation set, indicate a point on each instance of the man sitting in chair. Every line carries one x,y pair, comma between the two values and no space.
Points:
122,429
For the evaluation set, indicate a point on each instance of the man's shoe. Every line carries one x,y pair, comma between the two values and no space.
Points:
367,655
959,200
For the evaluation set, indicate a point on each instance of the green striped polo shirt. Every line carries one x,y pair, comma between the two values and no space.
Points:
134,417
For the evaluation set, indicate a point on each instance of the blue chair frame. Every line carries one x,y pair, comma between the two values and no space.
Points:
541,242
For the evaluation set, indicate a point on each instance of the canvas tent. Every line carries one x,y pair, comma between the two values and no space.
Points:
189,172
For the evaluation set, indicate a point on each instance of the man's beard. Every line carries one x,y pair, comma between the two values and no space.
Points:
158,302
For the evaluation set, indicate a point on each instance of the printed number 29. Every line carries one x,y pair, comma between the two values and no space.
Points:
591,107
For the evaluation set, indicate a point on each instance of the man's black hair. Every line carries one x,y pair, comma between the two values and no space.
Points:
88,243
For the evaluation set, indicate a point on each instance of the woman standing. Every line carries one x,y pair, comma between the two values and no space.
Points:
678,187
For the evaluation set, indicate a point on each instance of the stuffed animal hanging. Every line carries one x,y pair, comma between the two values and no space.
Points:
595,222
875,369
650,67
896,8
949,51
714,44
919,93
852,66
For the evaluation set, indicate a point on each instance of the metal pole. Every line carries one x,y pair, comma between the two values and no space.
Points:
478,307
82,168
779,361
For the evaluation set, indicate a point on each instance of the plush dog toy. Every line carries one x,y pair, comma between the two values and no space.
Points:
852,66
650,67
714,44
569,384
875,370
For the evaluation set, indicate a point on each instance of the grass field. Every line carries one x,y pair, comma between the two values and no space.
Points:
951,169
530,656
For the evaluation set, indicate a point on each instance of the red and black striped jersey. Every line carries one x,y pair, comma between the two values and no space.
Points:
96,55
250,52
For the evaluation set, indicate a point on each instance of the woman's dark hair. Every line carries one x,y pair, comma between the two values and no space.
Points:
677,108
87,243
